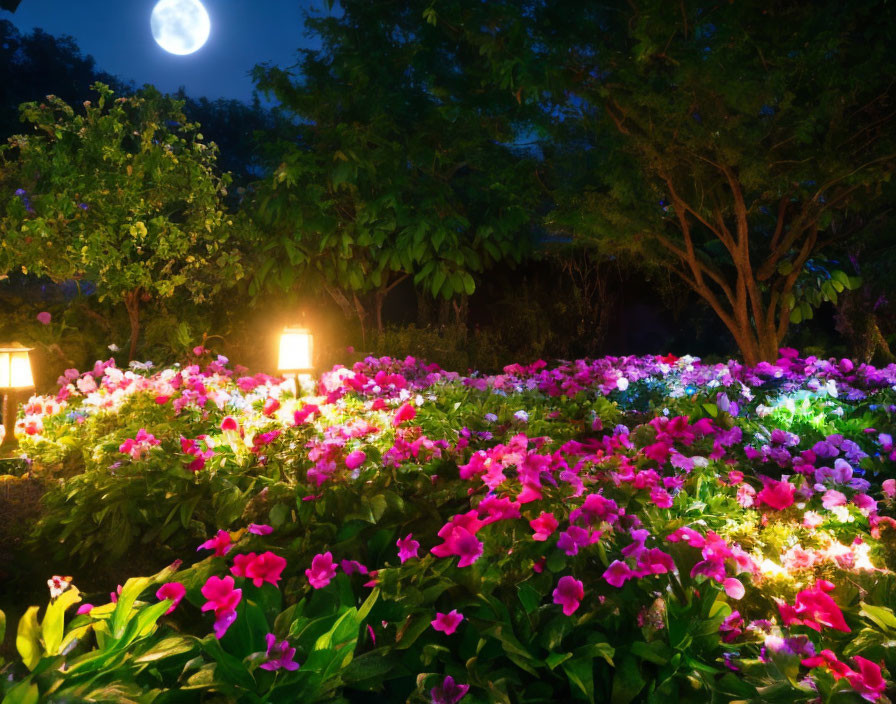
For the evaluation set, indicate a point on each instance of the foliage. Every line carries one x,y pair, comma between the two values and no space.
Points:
702,508
401,162
124,195
730,142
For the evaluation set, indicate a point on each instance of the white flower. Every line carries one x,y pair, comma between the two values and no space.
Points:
114,348
622,383
521,416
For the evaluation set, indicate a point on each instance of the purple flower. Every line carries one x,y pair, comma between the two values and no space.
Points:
448,692
280,655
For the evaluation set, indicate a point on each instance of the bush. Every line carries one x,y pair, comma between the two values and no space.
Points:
625,529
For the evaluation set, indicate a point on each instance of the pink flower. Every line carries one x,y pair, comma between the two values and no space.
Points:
84,608
543,526
279,655
222,598
458,541
735,476
355,459
617,573
260,529
661,498
889,487
814,608
407,548
352,566
447,623
569,594
259,568
868,680
734,588
229,423
44,318
221,543
833,498
322,570
405,412
199,350
171,590
777,495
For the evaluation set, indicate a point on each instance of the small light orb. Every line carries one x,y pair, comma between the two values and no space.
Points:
180,26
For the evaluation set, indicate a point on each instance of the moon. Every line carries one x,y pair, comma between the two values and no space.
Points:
180,26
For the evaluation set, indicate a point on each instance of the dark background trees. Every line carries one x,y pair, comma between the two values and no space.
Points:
603,172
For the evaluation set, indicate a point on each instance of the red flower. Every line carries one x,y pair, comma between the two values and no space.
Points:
405,412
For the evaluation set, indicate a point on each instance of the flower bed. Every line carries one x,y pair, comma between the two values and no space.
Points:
622,529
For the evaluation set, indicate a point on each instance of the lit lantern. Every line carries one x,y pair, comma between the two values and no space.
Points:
15,376
296,356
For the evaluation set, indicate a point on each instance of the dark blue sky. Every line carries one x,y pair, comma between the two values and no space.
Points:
116,33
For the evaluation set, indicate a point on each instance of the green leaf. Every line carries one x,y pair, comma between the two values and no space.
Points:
23,693
580,672
627,681
529,597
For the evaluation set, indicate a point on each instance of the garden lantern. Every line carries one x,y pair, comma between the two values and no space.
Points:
15,376
296,355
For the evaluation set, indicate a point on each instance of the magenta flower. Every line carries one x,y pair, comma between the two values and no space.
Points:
447,623
171,590
661,498
44,318
221,543
260,529
543,526
259,568
355,459
350,567
569,594
407,548
458,541
279,655
222,598
84,608
448,692
322,570
777,495
405,412
617,573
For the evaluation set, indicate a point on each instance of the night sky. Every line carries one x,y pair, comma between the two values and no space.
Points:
117,34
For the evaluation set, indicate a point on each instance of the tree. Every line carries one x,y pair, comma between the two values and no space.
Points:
37,64
401,163
731,141
124,195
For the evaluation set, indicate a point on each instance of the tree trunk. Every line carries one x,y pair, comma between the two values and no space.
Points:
362,315
132,304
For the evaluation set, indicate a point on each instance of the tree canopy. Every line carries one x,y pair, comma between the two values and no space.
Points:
733,142
123,193
402,162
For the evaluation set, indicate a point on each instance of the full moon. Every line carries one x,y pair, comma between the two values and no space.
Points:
180,26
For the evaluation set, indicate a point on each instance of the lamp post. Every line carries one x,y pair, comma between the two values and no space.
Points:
15,375
296,359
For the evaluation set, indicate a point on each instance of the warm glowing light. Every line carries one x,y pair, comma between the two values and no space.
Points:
180,26
15,367
296,350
